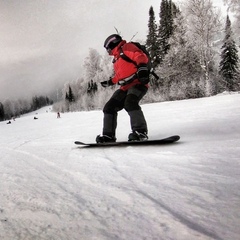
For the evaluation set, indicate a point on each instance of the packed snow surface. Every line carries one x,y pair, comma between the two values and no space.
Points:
190,190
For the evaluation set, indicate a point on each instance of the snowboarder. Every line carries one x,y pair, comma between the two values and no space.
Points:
133,83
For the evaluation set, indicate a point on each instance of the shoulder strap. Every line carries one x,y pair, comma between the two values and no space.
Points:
126,58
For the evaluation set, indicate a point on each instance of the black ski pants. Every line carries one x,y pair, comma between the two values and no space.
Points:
128,100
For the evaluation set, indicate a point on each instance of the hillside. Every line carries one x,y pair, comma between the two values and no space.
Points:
52,189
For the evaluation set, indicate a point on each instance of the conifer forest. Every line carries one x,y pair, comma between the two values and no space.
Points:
193,49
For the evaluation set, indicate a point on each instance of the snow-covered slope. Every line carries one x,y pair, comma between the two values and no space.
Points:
52,189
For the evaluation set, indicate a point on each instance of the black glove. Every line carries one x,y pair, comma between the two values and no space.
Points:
143,73
107,83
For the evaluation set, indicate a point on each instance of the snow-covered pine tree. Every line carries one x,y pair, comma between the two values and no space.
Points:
151,42
234,7
229,68
71,97
167,13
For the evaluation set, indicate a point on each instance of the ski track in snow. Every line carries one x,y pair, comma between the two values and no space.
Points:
52,189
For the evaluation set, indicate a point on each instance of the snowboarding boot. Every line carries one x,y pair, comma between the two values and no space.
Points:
137,136
105,138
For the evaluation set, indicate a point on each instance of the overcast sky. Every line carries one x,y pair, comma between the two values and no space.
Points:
44,42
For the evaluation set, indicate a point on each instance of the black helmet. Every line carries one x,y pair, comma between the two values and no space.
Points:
112,41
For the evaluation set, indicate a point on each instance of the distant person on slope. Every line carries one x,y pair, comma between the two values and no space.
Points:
133,80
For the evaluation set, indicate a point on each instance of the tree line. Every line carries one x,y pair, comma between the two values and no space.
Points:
191,51
15,108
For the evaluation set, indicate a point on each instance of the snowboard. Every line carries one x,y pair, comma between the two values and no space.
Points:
162,141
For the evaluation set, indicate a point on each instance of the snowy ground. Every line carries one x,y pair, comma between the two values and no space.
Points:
52,189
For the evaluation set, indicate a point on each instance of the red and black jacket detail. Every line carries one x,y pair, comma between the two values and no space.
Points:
125,70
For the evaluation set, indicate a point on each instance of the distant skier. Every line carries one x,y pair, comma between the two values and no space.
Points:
134,85
58,115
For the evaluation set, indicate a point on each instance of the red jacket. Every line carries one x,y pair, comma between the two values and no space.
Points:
124,69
